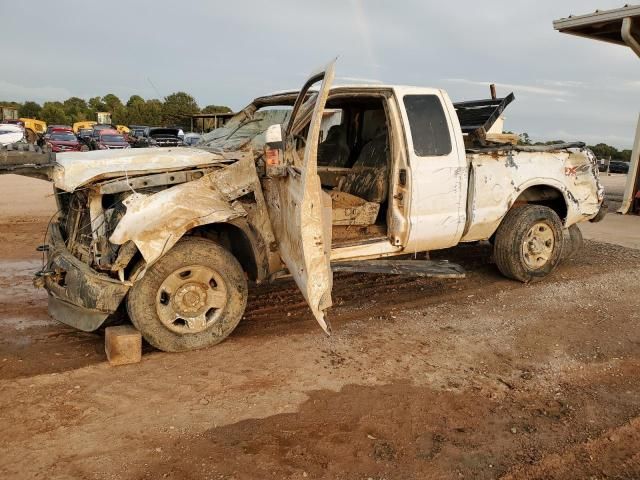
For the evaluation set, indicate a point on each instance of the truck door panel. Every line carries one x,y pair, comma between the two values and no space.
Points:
297,204
437,166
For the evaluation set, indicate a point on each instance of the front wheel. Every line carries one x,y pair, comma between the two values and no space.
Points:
528,243
191,298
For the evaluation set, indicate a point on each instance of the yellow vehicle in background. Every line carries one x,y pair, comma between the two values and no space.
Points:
84,124
33,129
104,118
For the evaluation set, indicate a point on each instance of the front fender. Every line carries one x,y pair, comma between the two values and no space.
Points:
157,221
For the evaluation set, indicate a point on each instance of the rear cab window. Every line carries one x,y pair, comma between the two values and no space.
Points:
428,124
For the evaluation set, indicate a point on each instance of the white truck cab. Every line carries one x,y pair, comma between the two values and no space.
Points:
305,183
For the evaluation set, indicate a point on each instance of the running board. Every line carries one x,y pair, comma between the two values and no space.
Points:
415,268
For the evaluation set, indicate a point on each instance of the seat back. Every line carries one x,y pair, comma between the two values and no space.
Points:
369,176
334,151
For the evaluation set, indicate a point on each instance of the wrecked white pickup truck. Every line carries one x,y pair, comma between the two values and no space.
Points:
299,183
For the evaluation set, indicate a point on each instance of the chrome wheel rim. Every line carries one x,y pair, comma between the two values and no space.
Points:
538,245
191,299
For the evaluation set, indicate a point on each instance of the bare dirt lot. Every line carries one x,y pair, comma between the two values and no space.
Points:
474,378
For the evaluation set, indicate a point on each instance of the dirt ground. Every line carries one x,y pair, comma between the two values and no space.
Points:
475,378
619,229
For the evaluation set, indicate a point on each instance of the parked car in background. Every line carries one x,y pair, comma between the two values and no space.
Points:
51,128
618,166
159,137
108,140
95,134
137,130
63,141
191,139
58,128
14,121
84,136
10,133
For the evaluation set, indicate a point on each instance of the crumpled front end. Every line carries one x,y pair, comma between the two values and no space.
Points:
79,296
154,223
108,228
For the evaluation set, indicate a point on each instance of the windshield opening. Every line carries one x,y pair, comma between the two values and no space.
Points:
243,129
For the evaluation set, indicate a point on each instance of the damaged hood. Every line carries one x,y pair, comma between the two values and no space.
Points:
74,170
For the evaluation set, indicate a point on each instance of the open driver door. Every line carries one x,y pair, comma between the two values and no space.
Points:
297,204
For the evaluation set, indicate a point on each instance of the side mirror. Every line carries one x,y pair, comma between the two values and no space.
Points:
273,152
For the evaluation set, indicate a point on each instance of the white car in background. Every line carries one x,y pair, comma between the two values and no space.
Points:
10,133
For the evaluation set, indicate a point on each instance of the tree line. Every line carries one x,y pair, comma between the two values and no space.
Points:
601,150
174,109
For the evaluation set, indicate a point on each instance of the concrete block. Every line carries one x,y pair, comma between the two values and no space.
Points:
123,345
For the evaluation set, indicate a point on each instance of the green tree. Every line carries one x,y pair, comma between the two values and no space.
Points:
97,105
111,101
152,112
53,113
30,110
9,104
216,109
524,139
135,100
602,150
135,110
119,114
625,155
76,109
177,109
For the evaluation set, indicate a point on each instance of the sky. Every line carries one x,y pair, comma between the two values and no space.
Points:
227,53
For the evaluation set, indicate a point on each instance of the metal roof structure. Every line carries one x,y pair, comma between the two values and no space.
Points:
620,26
603,25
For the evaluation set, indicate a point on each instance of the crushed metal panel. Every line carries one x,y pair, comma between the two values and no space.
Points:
156,222
78,295
78,168
498,179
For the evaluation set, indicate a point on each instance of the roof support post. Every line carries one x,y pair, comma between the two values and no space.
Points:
627,35
633,177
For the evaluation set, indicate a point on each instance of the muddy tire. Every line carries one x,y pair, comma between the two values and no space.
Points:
573,241
528,243
191,298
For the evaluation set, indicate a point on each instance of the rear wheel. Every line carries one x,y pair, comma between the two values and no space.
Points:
573,241
528,243
191,298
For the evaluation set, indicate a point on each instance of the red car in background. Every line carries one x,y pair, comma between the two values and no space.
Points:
63,141
108,140
57,128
